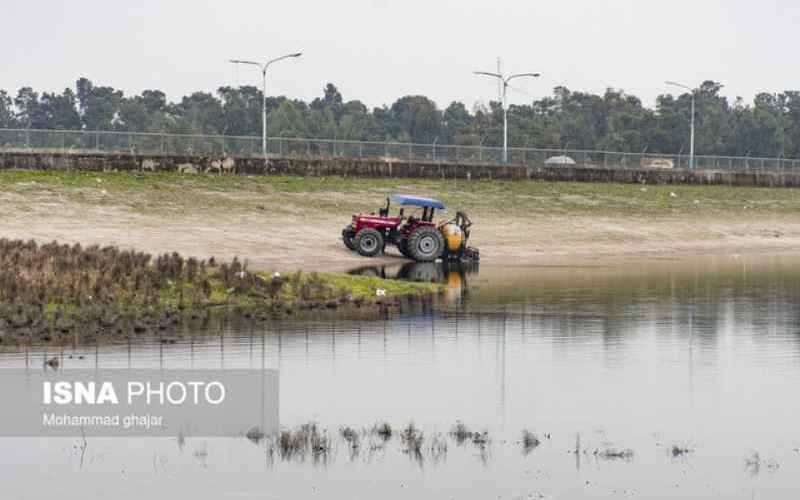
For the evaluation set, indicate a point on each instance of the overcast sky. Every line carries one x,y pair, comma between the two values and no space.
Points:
379,50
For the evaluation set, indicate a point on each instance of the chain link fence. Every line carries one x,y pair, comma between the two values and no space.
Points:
243,146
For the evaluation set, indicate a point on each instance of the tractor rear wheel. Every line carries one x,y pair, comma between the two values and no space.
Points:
369,242
349,237
425,244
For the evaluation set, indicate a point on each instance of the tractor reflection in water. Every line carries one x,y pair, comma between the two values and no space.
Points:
416,236
452,273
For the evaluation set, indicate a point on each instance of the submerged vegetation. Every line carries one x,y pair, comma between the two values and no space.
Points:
462,434
306,440
680,450
52,292
615,454
529,441
309,441
754,462
313,443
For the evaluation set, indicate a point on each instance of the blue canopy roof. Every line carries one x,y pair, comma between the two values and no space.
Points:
416,201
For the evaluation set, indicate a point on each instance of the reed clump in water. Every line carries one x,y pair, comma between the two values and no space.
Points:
754,462
383,430
438,448
462,434
680,450
53,291
529,441
353,440
412,440
625,454
306,440
255,435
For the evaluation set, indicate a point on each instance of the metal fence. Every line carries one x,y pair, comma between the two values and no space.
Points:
217,145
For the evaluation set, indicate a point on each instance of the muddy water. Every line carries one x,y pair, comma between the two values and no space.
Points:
702,355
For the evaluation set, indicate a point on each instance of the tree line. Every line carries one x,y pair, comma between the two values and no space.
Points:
614,121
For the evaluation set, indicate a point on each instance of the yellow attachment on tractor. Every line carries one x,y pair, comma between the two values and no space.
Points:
453,236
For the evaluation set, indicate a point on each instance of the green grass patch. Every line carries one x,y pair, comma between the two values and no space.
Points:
367,286
292,289
166,192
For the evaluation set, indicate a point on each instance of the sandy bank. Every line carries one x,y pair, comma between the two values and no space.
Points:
276,228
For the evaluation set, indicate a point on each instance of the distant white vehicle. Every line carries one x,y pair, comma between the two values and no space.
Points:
657,163
559,160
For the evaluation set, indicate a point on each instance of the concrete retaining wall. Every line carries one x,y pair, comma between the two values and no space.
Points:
377,167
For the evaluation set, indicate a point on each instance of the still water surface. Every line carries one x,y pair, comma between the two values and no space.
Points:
703,354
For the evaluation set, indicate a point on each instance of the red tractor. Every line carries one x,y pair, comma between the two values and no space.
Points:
416,236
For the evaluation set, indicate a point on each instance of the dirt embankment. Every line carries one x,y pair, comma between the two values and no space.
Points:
275,227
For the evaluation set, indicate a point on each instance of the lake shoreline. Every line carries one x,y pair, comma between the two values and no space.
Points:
281,223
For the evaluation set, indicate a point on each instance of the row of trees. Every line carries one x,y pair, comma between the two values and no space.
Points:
616,121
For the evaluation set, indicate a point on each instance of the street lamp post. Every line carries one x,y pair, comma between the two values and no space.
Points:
504,82
693,93
263,68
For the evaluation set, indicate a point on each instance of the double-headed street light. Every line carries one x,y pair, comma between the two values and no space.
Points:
504,81
263,68
693,93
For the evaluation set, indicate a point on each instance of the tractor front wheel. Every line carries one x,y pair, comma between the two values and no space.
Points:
369,242
426,244
349,237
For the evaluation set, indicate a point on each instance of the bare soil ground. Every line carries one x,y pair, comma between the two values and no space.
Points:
292,223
